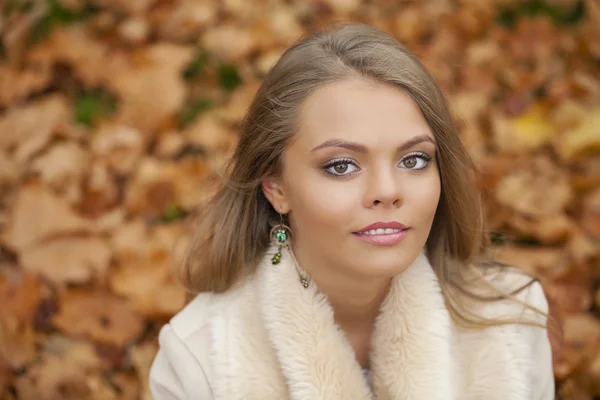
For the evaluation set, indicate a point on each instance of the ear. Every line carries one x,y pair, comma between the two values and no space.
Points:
275,193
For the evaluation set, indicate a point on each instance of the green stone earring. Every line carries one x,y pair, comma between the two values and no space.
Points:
281,236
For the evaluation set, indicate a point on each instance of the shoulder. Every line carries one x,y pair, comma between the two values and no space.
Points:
181,368
179,360
507,294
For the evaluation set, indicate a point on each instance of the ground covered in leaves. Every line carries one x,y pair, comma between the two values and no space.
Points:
116,114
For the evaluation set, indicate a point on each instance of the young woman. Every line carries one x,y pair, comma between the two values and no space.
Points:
340,259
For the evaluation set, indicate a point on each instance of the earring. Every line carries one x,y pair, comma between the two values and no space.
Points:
281,236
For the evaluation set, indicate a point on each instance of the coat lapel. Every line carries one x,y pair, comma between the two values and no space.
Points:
314,354
411,356
274,339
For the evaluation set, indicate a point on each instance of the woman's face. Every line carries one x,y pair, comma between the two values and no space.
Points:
363,155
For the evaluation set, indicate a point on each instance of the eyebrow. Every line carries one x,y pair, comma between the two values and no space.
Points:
361,148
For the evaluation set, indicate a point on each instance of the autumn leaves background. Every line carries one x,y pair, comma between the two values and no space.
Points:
116,115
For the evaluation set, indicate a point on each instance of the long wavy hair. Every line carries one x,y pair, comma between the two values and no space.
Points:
232,232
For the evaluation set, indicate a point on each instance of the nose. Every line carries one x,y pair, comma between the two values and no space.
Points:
384,189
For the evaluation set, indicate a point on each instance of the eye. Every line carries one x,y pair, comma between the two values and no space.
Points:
416,161
340,167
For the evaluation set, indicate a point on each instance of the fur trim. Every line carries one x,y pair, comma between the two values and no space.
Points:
273,339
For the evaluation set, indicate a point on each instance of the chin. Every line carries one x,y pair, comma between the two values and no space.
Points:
386,267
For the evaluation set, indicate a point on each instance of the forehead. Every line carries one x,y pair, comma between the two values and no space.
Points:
358,109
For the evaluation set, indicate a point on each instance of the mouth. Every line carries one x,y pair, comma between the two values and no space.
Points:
380,231
382,236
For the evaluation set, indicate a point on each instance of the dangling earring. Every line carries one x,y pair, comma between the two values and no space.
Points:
281,236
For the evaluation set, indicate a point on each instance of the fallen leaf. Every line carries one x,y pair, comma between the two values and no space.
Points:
229,42
100,191
16,84
68,259
590,219
129,7
120,146
186,20
62,165
9,173
150,87
38,214
581,341
537,261
142,356
527,131
210,134
585,138
27,129
97,315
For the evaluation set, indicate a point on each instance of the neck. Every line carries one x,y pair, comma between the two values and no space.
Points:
355,300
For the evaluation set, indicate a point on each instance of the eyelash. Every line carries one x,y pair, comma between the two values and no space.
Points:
341,161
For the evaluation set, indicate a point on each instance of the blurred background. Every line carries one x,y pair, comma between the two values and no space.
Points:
116,115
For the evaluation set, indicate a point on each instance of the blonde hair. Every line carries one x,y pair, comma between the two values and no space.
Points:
233,226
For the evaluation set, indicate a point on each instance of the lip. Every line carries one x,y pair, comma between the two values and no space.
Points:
388,239
383,225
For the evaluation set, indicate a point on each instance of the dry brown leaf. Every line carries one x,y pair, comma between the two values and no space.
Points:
412,24
27,129
590,219
581,342
100,191
128,384
525,132
130,7
18,83
157,185
544,262
229,42
539,193
63,165
68,259
134,30
187,20
20,296
210,134
585,138
59,378
38,214
571,295
9,173
142,356
144,274
119,146
538,188
235,109
97,315
89,58
169,144
150,87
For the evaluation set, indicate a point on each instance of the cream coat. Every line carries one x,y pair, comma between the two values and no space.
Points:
269,338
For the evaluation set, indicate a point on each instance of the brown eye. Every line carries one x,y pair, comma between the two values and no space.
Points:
410,162
415,161
341,168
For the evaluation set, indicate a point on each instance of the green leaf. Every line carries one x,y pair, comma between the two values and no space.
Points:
92,104
57,15
229,78
173,213
508,16
196,67
192,109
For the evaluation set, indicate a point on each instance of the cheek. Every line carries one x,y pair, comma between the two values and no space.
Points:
423,198
321,205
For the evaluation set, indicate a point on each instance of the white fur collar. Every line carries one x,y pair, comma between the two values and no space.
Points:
276,340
